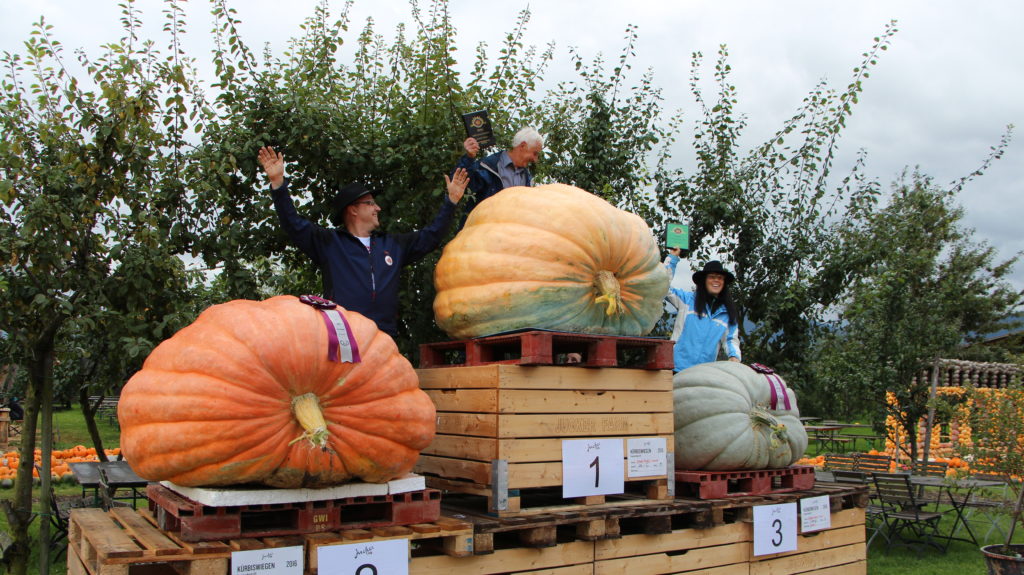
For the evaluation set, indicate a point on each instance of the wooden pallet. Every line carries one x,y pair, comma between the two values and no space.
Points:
718,484
585,523
549,348
111,543
195,521
500,427
124,541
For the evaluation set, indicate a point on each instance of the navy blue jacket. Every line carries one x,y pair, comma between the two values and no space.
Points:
360,280
483,178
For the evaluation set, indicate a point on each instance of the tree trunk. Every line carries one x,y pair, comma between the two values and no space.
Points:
89,412
38,393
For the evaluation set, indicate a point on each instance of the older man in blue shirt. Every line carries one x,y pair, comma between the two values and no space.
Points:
500,170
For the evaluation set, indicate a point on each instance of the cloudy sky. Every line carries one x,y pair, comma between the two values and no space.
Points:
940,97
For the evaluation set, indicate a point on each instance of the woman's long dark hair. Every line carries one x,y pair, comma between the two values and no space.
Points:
703,298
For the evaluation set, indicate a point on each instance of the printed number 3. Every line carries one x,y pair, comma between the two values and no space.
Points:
596,464
777,524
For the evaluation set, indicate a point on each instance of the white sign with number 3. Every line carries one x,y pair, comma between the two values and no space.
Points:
774,528
592,467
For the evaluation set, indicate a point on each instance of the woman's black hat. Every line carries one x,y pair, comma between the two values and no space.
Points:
713,267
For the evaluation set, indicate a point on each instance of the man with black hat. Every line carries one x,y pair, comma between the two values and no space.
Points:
360,266
707,318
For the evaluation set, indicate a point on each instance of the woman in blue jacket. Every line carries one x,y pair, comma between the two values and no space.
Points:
707,318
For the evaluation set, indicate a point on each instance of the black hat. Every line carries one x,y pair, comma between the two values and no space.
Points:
343,198
713,267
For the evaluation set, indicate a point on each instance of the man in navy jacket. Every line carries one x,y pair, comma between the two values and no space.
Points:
503,169
360,266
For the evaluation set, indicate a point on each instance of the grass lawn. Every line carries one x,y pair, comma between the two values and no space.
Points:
960,559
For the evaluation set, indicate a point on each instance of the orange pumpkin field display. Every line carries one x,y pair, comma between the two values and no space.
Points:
246,394
550,257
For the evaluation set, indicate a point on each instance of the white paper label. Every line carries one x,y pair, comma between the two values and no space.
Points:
646,456
276,561
390,557
592,467
815,514
774,528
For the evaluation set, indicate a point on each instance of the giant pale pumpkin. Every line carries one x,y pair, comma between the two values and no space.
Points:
246,394
550,257
727,418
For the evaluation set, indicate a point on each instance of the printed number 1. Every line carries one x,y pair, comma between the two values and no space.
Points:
777,524
596,464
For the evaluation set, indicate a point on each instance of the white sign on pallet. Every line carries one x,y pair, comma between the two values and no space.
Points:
774,528
592,467
815,514
275,561
646,456
390,557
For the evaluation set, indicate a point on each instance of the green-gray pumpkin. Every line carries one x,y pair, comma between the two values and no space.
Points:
724,420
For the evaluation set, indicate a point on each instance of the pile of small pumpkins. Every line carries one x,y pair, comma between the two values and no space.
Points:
59,460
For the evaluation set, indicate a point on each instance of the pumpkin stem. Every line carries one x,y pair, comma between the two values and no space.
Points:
311,418
611,293
760,417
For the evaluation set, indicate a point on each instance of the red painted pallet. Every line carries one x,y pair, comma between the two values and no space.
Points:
719,484
549,348
198,522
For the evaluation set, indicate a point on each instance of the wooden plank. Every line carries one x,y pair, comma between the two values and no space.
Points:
506,560
846,518
677,540
148,536
823,540
583,401
855,568
463,447
702,558
583,569
520,475
465,400
532,450
103,534
479,424
584,425
811,562
543,377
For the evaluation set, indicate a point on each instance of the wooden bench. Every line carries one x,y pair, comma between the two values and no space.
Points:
107,407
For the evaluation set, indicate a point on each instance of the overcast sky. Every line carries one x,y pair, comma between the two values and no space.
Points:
939,99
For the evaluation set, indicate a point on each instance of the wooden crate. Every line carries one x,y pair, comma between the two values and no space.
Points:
719,550
572,558
728,549
500,427
838,550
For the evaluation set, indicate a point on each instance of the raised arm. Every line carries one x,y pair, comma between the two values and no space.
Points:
273,166
457,184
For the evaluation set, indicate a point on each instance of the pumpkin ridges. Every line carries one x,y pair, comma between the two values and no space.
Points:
582,237
716,428
254,452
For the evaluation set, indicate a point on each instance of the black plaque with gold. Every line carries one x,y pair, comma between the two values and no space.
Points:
478,126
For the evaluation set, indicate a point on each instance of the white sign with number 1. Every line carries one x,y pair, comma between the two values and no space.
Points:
774,528
592,467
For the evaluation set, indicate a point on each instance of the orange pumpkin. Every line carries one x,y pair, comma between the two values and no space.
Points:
246,394
550,257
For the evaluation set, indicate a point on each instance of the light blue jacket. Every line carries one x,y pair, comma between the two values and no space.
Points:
699,338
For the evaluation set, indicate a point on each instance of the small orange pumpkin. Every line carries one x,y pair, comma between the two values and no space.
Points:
246,394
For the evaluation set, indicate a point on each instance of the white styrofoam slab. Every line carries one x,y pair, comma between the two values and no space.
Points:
229,496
